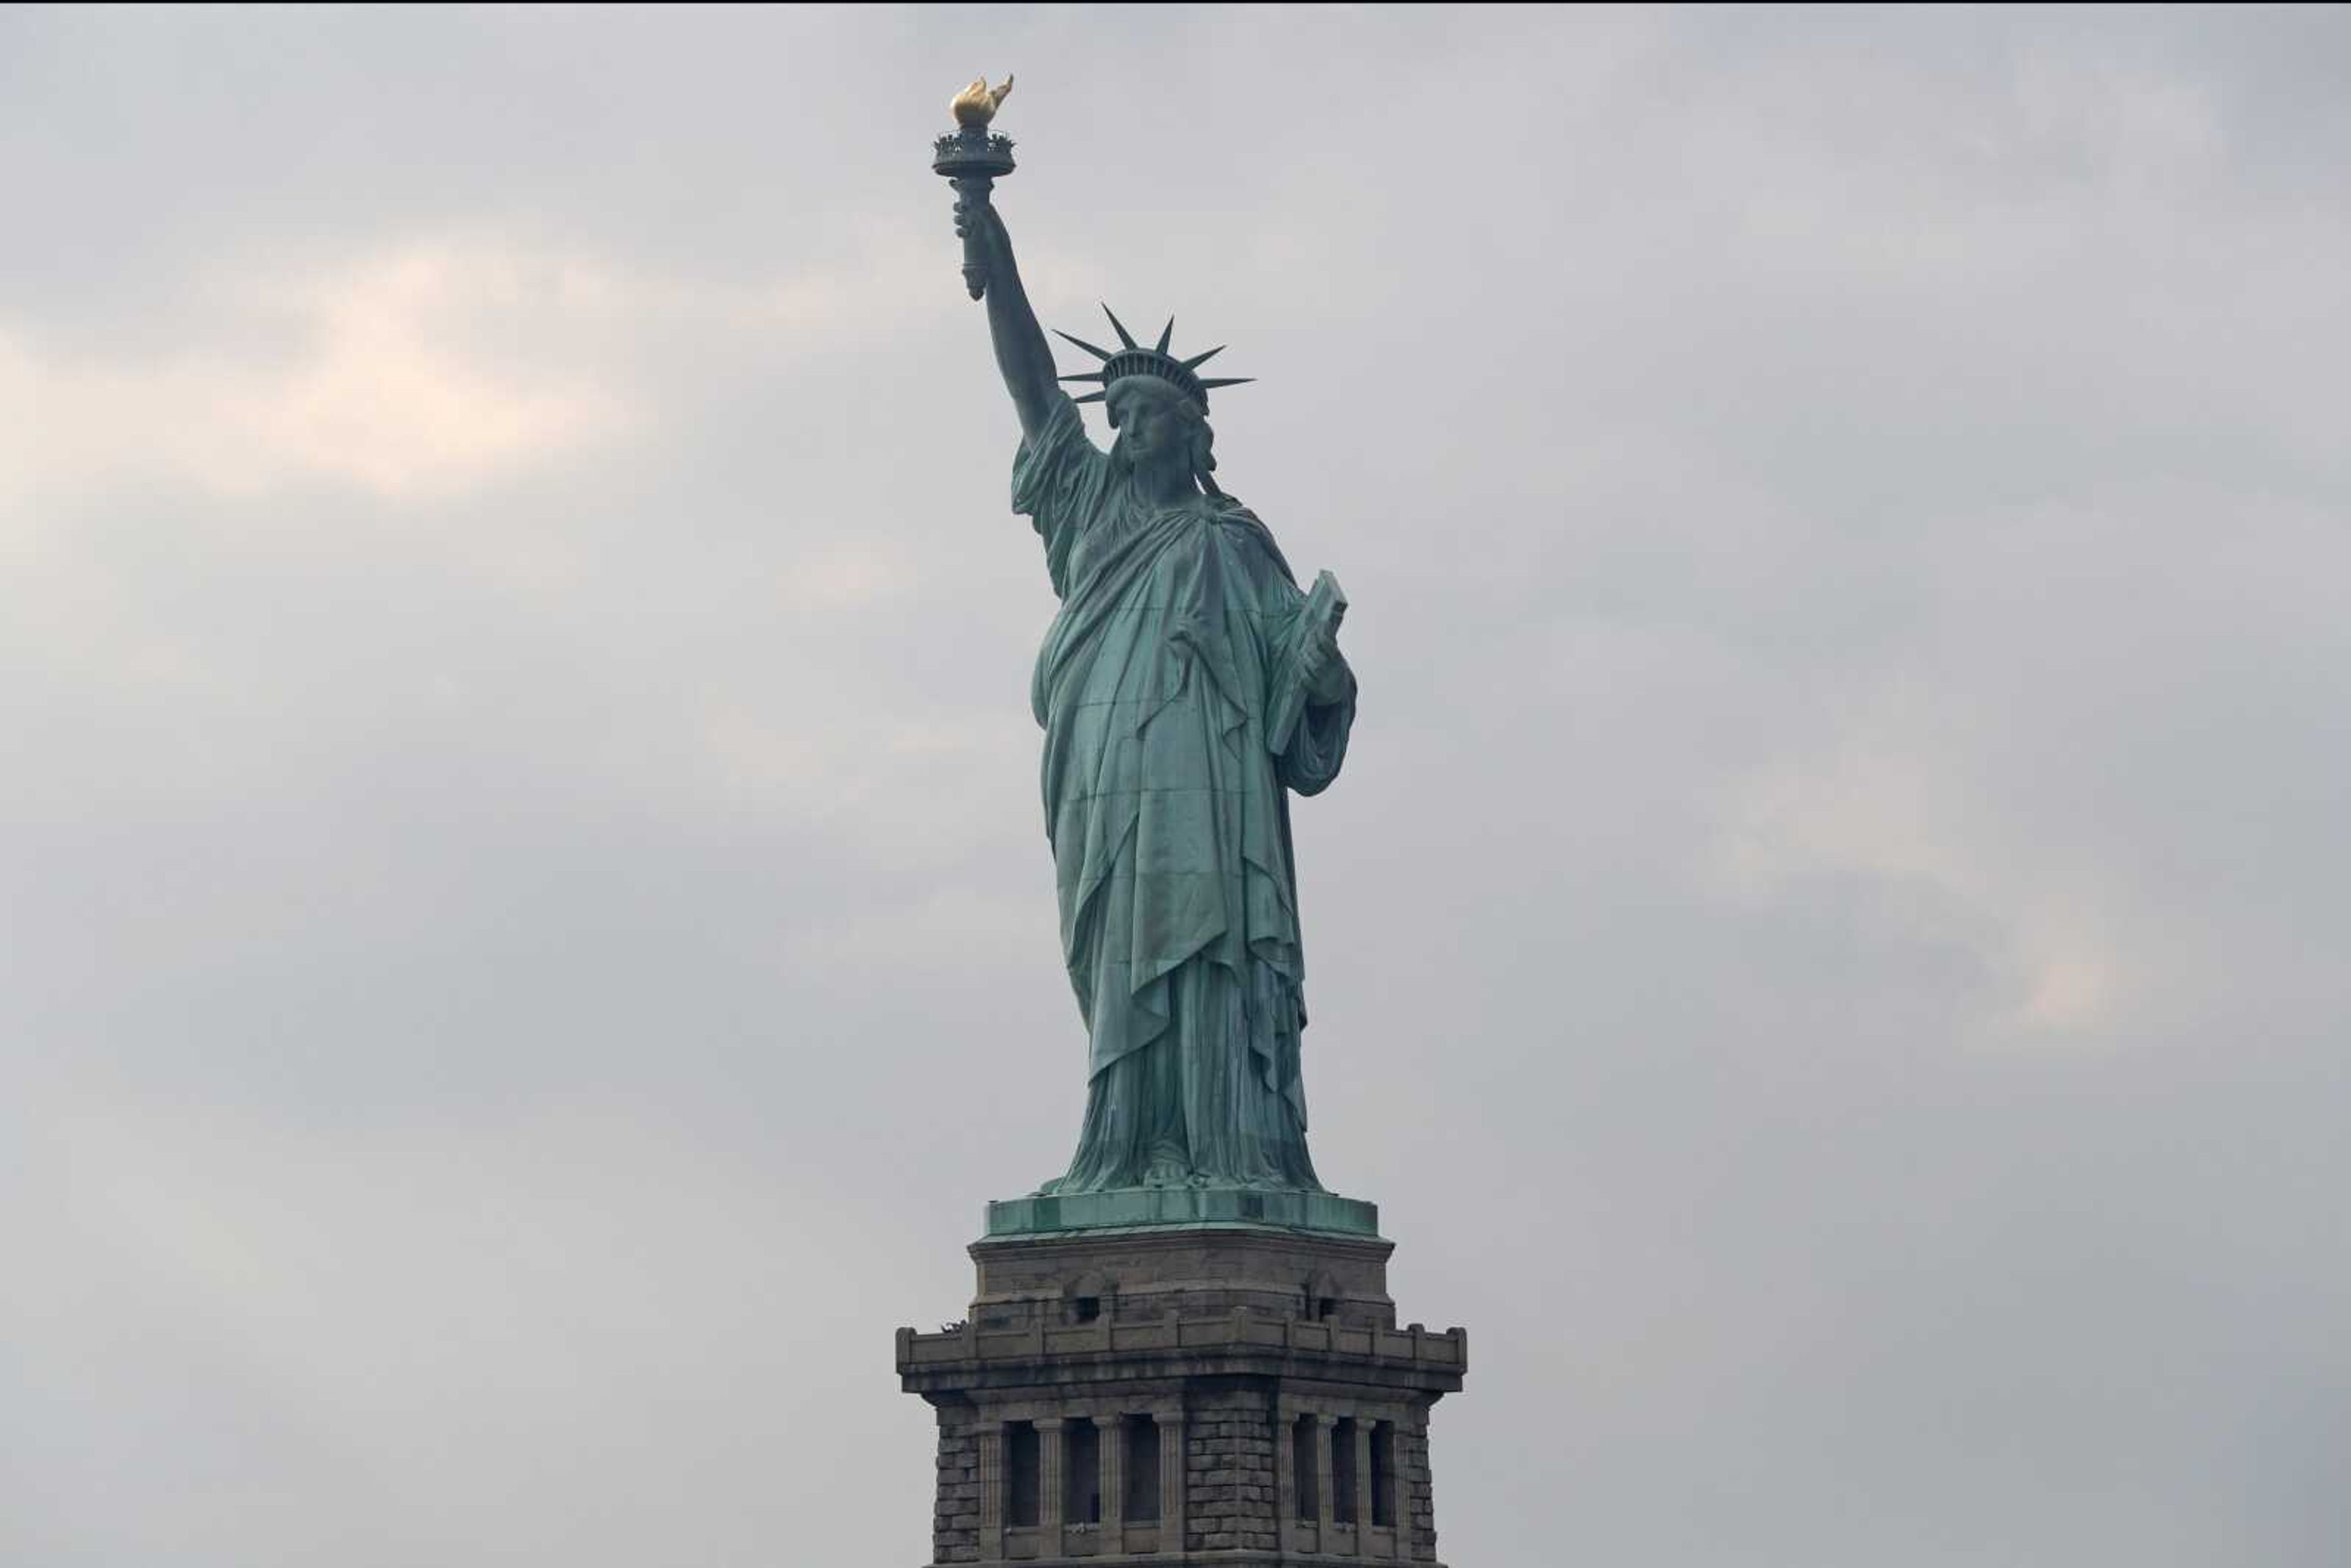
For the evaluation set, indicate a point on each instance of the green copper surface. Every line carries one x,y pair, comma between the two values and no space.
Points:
1188,689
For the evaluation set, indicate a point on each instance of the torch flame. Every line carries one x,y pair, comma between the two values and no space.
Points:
976,105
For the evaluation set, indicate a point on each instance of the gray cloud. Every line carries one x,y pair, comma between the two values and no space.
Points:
1828,952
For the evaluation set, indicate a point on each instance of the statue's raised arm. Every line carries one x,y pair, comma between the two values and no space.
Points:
973,158
1021,351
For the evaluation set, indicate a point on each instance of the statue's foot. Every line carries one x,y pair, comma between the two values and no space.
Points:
1167,1173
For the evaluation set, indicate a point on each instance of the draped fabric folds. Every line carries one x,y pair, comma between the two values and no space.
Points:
1169,818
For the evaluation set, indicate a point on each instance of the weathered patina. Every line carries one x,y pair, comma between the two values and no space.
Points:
1188,689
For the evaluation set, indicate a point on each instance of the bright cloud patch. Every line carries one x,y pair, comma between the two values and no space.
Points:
1879,813
378,383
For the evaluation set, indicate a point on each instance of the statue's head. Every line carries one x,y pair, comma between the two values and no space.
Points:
1161,430
1158,404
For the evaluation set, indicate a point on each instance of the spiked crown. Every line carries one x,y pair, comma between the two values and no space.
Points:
1132,359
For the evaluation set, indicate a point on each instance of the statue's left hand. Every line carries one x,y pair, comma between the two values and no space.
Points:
1323,668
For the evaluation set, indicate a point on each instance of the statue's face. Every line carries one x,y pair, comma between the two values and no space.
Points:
1151,430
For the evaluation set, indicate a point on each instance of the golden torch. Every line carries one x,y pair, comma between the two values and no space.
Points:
973,158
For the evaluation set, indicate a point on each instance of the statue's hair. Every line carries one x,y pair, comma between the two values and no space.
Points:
1200,438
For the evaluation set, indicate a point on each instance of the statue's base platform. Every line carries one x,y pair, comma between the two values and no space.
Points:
1128,1209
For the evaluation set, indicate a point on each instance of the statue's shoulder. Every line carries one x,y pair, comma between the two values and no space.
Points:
1242,520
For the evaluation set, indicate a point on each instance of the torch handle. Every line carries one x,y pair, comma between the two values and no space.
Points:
972,190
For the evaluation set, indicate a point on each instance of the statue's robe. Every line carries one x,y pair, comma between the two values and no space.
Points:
1166,802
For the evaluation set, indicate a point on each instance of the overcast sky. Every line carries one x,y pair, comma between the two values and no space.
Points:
526,932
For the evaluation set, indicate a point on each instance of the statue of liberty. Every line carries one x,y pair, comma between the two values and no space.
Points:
1186,687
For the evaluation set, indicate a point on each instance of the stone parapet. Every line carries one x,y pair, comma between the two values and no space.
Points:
1228,1341
1206,1270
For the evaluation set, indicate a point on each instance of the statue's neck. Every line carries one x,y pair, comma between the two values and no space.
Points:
1171,492
1171,485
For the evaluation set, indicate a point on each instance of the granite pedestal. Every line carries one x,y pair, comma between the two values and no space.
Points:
1195,1391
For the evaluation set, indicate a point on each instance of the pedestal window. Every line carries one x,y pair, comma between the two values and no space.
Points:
1142,1470
1082,1499
1343,1472
1022,1470
1302,1465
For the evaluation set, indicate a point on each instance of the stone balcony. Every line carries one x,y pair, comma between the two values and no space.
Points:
1237,1335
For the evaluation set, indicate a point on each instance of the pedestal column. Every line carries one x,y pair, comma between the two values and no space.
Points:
1172,1473
1049,1494
1109,1443
991,1491
1285,1473
1325,1475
